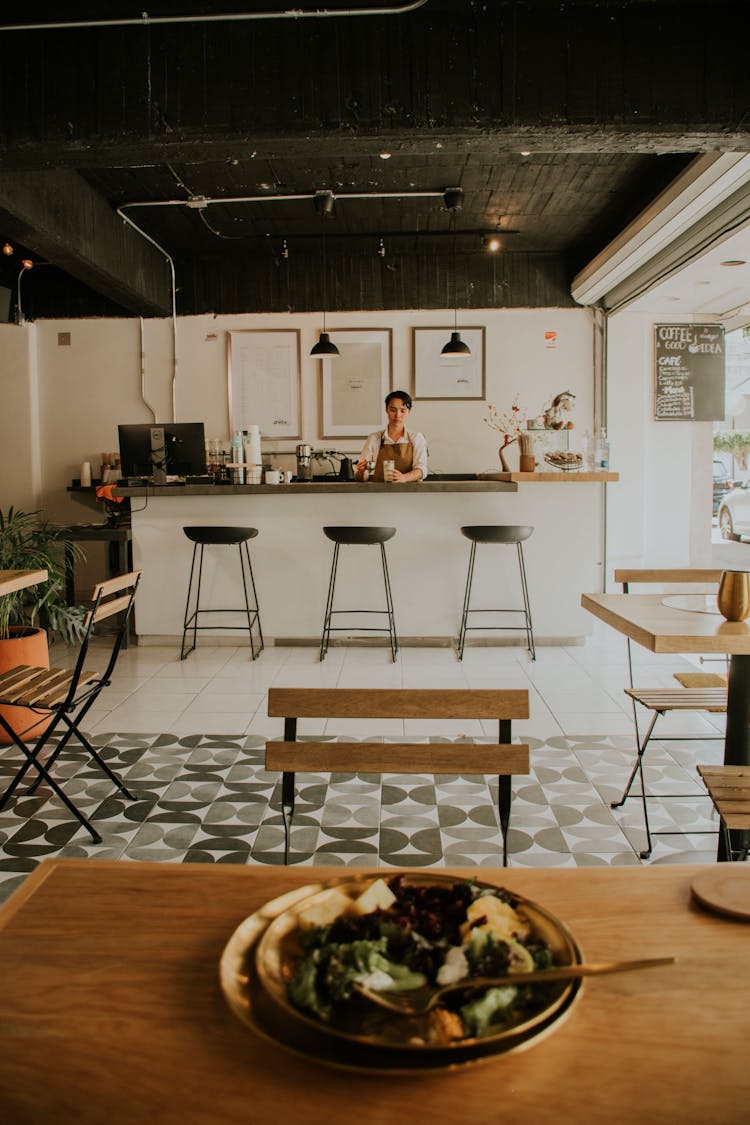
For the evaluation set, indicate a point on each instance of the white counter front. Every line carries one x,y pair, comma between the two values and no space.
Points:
427,557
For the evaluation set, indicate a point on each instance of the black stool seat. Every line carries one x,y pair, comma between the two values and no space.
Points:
507,534
497,533
359,537
202,537
363,535
220,536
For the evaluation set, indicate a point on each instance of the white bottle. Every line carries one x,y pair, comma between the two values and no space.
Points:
238,474
252,446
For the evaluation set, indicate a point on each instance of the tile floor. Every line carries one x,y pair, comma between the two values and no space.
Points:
188,738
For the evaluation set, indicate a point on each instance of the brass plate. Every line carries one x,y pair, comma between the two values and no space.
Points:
277,1022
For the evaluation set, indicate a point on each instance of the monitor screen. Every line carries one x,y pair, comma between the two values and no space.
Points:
184,449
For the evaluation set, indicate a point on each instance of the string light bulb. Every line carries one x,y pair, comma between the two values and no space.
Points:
7,249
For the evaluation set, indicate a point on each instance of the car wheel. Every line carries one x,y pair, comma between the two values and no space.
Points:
725,526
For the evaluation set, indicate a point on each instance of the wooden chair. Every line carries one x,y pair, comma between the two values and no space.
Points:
312,756
729,789
65,695
700,691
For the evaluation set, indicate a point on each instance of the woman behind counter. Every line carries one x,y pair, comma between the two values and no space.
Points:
395,443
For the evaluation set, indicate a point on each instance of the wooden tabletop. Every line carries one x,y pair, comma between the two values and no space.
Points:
660,628
12,580
112,1010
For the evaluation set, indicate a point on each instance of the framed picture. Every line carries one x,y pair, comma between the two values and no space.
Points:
264,381
446,376
356,382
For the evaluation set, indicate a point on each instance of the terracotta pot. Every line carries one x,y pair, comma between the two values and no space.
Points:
23,646
733,598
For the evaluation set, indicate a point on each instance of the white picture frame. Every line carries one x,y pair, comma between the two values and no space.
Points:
263,371
354,383
445,377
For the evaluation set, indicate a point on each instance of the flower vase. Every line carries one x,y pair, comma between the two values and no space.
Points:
733,597
503,462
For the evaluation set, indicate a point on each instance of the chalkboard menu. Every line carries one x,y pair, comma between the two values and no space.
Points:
689,372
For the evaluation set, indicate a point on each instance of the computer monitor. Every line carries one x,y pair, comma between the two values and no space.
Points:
156,451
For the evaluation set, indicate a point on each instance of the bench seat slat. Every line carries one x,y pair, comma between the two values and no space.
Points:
398,757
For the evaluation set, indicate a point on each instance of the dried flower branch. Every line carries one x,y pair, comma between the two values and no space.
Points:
509,424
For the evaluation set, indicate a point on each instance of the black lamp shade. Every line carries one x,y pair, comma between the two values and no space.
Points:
456,346
325,346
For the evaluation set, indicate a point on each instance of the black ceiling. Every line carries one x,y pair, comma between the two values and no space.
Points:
608,99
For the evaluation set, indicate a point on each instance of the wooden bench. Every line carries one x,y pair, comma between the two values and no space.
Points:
312,756
729,789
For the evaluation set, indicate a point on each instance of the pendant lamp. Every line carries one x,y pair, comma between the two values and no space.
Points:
325,348
455,346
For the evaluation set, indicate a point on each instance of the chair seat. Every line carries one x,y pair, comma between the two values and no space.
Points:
729,789
497,533
220,536
26,686
359,534
680,699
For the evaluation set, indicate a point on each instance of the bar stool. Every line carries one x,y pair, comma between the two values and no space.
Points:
359,536
505,534
221,537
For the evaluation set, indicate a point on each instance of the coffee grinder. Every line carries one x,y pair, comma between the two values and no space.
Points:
304,462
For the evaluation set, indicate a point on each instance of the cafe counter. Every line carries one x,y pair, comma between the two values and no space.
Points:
427,557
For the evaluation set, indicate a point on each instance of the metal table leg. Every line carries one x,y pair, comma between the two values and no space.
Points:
737,738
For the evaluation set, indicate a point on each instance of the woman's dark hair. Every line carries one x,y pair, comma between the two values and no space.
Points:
399,394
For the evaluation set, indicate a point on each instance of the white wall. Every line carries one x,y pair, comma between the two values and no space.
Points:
93,383
20,483
659,513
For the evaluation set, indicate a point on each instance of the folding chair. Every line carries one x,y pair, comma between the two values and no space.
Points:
311,755
66,695
700,691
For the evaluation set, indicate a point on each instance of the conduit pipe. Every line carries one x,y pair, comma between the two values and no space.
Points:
173,286
145,20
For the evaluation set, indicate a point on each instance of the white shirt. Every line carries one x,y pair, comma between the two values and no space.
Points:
371,448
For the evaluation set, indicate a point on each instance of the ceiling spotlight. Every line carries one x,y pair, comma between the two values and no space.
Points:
323,201
492,244
7,249
381,249
384,155
525,152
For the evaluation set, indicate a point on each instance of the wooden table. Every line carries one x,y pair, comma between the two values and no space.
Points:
12,580
112,1011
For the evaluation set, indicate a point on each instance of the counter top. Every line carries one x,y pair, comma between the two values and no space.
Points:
553,476
327,488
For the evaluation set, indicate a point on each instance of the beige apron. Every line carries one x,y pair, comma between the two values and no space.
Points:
402,454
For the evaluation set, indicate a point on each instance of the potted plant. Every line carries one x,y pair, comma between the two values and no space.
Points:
31,617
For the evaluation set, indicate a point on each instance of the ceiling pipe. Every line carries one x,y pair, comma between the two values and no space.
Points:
198,202
145,20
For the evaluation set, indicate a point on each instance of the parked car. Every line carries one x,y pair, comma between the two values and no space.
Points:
734,512
722,483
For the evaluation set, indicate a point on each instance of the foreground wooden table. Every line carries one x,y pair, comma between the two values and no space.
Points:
112,1011
12,580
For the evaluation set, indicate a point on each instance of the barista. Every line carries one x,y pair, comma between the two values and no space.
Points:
408,449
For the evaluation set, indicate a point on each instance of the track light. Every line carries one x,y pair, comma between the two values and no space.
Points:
381,249
324,201
284,249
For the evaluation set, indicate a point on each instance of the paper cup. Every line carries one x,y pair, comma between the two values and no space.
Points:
388,468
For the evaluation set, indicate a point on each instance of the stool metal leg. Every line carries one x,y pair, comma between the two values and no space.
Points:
194,616
467,596
526,603
389,604
253,616
329,604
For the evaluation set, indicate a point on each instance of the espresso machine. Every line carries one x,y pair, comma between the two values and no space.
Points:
304,461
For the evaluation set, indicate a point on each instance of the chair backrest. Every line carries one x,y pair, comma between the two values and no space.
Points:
114,595
398,757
